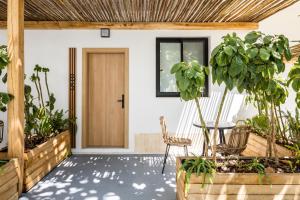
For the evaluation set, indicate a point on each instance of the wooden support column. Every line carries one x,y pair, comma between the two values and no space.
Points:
15,80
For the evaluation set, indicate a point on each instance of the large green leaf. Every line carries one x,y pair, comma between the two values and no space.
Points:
264,54
236,66
228,50
221,59
252,37
216,50
176,67
252,53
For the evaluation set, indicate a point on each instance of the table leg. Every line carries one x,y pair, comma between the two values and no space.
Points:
203,148
222,136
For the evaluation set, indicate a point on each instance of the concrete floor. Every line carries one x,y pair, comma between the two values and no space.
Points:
107,177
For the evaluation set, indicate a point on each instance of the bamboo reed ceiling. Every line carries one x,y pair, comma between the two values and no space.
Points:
191,11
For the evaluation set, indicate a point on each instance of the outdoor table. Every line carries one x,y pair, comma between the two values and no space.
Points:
210,125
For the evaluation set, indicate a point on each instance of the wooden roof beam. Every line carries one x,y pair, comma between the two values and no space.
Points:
55,25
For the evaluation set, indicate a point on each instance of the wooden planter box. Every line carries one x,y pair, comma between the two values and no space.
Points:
239,186
257,145
39,161
9,180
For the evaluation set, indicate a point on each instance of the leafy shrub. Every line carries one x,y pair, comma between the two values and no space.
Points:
42,120
4,60
199,166
190,79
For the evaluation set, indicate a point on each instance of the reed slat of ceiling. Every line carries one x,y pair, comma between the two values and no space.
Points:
250,9
196,11
241,10
210,8
227,10
201,10
261,8
275,9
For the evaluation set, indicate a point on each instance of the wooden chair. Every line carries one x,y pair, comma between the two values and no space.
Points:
172,141
237,142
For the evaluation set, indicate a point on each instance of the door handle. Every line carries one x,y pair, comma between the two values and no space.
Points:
122,100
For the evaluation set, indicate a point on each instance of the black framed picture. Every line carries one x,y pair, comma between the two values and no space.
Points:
170,51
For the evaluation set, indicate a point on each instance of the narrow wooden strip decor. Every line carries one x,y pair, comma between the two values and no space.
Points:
150,10
57,25
72,93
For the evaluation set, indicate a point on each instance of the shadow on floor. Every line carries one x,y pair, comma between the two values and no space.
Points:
108,177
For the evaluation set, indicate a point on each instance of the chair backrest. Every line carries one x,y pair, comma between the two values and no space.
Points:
163,128
239,137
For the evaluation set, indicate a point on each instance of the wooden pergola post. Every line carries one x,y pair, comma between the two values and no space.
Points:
15,80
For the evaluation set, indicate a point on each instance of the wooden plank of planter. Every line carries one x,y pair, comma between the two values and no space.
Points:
235,197
55,150
42,159
8,171
30,165
239,186
257,147
14,197
3,156
251,179
10,192
42,163
10,183
32,179
45,146
48,165
226,189
47,151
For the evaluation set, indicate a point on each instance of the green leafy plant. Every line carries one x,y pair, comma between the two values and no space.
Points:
253,65
229,62
41,119
4,96
199,166
295,164
190,79
293,126
294,80
260,123
258,167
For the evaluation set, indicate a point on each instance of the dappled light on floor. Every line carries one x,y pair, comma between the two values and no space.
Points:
108,177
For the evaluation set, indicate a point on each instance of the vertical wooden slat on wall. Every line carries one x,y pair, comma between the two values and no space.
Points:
15,82
72,93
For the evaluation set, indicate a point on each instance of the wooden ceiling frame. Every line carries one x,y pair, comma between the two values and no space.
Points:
146,15
137,25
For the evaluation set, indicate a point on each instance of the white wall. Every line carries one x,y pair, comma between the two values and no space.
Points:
50,48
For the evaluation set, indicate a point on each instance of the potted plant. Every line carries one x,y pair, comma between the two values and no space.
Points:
47,140
252,65
9,181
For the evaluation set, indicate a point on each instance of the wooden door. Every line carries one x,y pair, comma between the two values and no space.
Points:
106,98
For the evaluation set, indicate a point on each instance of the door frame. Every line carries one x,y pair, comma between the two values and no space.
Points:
85,53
